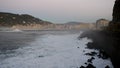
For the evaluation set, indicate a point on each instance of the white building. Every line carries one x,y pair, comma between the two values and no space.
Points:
101,24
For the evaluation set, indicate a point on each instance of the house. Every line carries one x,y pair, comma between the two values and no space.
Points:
101,24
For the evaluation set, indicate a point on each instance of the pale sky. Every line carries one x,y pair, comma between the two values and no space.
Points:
61,11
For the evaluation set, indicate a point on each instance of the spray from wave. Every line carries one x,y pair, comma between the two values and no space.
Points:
54,51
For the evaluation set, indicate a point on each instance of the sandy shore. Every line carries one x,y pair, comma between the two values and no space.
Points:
107,41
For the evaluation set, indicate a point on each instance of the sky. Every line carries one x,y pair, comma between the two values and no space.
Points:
61,11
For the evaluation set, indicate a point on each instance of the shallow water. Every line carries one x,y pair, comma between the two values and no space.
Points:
46,49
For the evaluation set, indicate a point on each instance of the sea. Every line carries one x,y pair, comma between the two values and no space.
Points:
46,49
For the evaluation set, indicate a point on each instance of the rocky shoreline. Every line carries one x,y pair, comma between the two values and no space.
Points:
107,41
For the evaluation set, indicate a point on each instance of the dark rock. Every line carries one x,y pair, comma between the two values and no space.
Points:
90,66
115,23
41,56
102,54
116,12
83,50
91,54
82,67
107,66
90,60
108,41
86,63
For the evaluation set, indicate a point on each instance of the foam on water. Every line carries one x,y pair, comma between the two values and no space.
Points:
17,30
12,30
53,51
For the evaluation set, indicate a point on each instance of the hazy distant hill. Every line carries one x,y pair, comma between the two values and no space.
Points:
10,19
73,23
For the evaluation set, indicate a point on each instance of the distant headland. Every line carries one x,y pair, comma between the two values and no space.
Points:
29,22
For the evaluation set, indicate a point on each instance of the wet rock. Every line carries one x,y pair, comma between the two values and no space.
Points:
91,54
90,60
82,67
102,54
90,66
107,66
41,56
83,50
86,63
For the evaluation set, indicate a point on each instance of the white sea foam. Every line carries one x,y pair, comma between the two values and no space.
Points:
17,30
53,51
12,30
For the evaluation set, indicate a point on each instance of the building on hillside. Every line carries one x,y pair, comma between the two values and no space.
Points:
101,24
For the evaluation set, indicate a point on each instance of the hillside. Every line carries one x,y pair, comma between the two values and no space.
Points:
10,19
28,22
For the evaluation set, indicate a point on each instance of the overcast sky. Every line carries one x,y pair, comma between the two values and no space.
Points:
61,11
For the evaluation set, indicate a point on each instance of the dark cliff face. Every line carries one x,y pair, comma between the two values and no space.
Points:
114,25
9,19
116,12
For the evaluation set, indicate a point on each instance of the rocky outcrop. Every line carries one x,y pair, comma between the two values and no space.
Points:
116,12
115,23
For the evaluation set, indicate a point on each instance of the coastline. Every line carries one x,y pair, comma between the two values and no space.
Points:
107,41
